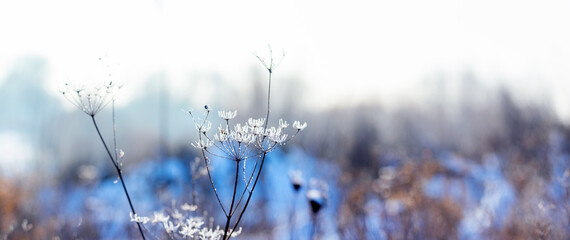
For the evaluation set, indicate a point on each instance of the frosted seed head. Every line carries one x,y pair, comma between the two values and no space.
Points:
201,144
205,127
159,218
90,100
169,227
227,115
138,219
296,178
188,207
257,123
283,124
299,126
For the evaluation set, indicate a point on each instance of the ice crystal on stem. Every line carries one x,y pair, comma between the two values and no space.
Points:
204,127
227,115
201,144
183,225
160,217
169,227
138,219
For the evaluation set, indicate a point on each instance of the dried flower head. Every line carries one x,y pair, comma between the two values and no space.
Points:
316,200
297,125
160,217
283,124
188,231
138,219
188,207
270,62
317,195
256,123
296,178
227,115
90,100
204,127
239,142
26,226
169,227
201,144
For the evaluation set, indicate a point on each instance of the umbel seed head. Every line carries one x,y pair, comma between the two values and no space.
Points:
296,178
296,186
90,100
316,200
317,195
315,206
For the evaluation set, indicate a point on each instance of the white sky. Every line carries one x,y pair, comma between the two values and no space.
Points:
345,51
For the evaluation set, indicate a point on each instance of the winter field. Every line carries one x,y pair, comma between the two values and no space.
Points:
176,120
485,169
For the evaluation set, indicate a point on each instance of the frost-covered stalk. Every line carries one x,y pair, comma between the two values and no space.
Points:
252,140
183,223
91,102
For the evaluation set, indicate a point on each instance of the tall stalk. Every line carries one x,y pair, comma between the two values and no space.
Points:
226,235
119,172
248,199
229,216
252,140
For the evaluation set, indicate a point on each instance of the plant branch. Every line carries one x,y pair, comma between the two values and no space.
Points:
229,217
118,172
270,70
206,159
248,197
247,183
268,100
114,132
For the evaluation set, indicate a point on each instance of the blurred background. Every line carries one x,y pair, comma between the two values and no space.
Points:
426,120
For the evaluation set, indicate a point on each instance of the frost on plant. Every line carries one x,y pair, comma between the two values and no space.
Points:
138,219
160,218
242,141
181,223
90,100
244,144
317,195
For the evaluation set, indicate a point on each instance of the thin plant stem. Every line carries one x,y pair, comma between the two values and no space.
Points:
118,172
268,100
114,131
206,161
264,153
104,143
212,182
248,197
247,183
229,217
